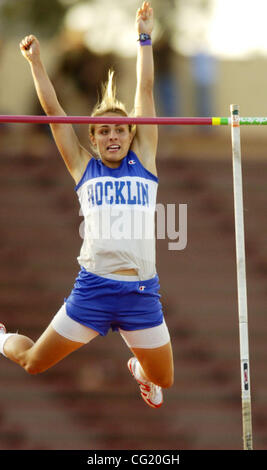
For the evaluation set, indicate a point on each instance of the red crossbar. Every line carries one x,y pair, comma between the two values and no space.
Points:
106,120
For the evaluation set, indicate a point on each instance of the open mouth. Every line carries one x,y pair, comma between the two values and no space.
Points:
113,148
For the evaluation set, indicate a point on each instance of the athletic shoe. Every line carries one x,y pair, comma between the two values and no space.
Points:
151,393
2,329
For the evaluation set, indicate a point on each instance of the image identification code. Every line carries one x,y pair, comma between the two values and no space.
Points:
135,459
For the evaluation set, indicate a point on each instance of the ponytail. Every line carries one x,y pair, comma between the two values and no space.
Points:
108,102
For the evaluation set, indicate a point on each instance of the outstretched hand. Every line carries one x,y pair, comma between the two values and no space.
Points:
30,47
144,19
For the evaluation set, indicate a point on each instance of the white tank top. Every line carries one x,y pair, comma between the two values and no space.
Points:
118,206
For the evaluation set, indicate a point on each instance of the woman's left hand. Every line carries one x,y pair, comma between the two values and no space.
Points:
144,19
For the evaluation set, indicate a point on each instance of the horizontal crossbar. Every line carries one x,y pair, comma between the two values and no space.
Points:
175,121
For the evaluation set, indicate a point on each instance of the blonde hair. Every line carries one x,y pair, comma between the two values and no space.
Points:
108,103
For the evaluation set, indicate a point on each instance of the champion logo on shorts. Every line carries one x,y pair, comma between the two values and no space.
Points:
142,288
132,162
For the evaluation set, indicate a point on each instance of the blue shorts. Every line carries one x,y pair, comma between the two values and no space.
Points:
101,303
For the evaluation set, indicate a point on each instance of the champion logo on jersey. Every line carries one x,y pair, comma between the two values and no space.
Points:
142,288
132,162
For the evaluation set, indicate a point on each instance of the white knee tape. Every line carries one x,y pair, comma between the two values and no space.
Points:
3,338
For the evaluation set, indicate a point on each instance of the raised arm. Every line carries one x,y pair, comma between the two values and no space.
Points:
146,140
74,155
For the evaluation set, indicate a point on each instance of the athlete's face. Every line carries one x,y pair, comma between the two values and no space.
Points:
112,141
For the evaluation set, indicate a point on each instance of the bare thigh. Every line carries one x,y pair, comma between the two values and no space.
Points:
157,364
48,350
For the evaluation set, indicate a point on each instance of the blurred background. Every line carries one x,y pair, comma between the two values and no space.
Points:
208,54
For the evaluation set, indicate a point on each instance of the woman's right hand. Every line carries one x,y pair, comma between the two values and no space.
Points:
30,48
